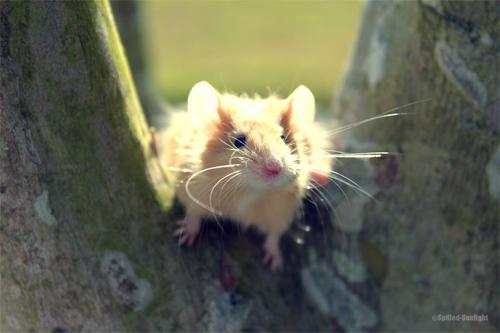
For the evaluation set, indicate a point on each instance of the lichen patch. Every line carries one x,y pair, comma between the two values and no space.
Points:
333,297
43,209
374,65
225,312
486,39
375,62
126,287
351,267
493,174
460,75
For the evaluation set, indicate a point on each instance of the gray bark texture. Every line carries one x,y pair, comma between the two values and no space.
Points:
76,197
87,220
429,242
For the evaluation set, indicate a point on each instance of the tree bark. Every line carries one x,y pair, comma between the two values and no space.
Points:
430,241
75,179
128,20
86,217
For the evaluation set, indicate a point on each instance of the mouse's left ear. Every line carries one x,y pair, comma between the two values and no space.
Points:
203,100
301,105
204,104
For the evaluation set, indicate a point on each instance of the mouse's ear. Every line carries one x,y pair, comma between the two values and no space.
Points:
203,100
301,105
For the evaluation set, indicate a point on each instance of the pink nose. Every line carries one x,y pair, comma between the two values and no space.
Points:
271,168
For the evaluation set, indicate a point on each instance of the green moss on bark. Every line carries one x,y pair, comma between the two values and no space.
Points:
90,151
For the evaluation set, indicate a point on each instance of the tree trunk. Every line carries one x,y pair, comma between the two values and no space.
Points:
86,230
430,241
128,20
75,182
87,221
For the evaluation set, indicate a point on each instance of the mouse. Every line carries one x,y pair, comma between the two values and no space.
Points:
245,159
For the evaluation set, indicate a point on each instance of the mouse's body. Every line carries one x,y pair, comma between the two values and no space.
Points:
249,160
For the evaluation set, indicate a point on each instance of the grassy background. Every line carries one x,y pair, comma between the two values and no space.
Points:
249,46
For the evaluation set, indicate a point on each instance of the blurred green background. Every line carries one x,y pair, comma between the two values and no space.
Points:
249,46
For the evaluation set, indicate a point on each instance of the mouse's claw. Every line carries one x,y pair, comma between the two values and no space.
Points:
188,230
272,253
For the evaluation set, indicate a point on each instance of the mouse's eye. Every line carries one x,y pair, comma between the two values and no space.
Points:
283,137
240,141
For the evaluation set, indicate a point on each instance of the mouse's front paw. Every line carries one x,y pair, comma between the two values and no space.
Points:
272,253
187,230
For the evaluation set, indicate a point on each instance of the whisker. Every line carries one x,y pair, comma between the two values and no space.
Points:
217,183
351,183
356,124
375,154
387,114
192,197
240,158
340,152
408,105
341,190
324,198
341,178
231,178
212,192
227,144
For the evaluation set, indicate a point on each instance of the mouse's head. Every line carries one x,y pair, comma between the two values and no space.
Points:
267,140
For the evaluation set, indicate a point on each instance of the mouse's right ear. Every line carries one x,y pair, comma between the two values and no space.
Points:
301,106
203,101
